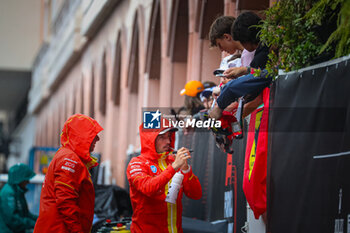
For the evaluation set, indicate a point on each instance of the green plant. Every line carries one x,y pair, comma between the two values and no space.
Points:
293,42
341,36
294,29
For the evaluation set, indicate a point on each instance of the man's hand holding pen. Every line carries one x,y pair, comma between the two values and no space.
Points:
181,157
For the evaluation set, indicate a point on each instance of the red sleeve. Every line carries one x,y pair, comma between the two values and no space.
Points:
191,185
66,187
139,178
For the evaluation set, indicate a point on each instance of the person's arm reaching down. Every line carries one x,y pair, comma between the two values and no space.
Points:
239,87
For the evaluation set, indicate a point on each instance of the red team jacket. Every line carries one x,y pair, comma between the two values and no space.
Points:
149,175
67,196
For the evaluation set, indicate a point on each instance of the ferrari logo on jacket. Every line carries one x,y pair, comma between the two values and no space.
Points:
254,180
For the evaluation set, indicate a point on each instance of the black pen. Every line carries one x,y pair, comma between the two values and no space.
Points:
175,151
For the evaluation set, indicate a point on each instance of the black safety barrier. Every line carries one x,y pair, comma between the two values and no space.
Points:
308,185
190,225
112,202
220,175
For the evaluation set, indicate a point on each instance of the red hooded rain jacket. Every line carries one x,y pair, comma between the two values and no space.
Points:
67,196
149,176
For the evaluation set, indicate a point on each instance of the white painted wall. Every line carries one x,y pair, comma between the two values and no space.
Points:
254,225
25,139
20,33
4,117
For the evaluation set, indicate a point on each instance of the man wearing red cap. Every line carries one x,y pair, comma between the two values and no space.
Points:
150,176
67,196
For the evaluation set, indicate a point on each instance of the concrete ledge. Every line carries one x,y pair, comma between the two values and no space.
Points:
37,179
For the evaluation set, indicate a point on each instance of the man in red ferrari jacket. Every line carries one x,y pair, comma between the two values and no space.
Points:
67,196
149,177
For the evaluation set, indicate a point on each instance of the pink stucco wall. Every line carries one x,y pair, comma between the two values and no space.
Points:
184,55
